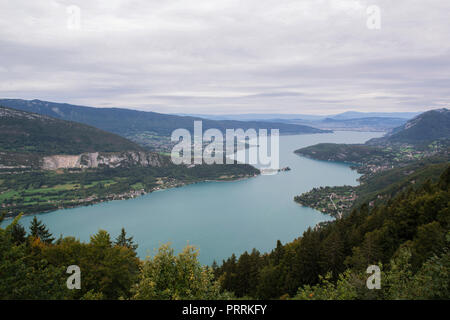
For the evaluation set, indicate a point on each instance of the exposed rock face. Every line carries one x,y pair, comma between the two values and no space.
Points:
96,159
56,162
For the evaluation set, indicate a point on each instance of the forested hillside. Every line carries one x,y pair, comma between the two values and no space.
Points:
352,153
27,132
408,236
428,126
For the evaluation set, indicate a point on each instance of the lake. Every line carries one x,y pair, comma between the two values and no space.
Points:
219,218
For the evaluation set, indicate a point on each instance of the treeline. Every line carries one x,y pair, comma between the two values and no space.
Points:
34,265
401,236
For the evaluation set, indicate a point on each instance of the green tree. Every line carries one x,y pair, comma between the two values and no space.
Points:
107,271
167,276
24,275
39,230
432,281
18,234
123,241
429,241
343,289
101,239
269,282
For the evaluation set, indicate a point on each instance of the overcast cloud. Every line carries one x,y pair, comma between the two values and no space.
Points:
228,56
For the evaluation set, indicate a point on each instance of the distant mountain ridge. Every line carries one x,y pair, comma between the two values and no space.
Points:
31,132
307,117
357,115
350,120
423,137
129,123
426,127
34,141
379,124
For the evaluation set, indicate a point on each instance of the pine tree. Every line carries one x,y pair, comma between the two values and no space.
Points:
123,241
39,230
18,233
278,252
101,239
215,269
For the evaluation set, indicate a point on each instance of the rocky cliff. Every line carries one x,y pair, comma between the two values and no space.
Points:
110,160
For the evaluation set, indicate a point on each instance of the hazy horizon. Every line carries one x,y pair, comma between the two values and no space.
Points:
219,113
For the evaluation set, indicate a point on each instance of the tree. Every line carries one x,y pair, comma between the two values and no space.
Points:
107,272
39,230
123,241
343,289
23,276
430,240
269,282
167,276
101,239
333,254
18,234
430,282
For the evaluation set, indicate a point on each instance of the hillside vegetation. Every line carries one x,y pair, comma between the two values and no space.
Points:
426,127
352,153
408,237
26,132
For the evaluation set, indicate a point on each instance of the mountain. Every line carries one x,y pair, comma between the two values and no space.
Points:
385,122
351,120
286,117
356,115
48,163
27,132
142,126
425,136
382,124
272,117
426,127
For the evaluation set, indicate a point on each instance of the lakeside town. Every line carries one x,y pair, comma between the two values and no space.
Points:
370,161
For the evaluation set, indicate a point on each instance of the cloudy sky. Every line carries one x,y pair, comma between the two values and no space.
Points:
228,56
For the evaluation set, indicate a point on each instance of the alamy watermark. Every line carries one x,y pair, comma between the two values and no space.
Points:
73,17
74,281
374,17
213,147
374,280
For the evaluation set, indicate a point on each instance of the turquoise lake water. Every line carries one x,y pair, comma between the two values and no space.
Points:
219,218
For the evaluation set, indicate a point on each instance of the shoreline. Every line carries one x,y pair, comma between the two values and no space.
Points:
125,197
